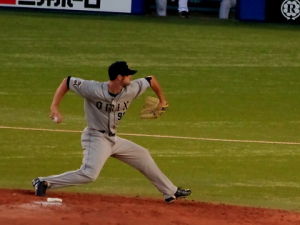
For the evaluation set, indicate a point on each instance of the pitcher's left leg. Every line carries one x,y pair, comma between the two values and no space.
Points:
140,158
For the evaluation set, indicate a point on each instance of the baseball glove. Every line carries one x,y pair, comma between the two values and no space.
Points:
152,109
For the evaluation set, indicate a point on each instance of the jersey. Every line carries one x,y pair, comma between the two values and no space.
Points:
103,111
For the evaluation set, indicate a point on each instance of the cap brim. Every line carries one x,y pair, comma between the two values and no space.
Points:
133,72
129,72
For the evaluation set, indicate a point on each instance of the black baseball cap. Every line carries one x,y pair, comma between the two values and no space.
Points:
119,68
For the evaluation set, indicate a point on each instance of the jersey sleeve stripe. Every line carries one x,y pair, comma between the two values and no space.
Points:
68,82
149,78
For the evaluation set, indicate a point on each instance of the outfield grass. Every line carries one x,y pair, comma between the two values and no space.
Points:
223,79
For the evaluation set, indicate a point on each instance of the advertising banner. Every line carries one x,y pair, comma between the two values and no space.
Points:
120,6
282,11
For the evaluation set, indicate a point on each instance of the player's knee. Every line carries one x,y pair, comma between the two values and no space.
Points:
90,175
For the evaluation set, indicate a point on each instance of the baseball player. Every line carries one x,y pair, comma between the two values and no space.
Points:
105,104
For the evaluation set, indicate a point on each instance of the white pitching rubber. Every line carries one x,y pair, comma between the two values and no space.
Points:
54,200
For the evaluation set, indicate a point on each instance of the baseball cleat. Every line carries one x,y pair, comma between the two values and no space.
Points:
184,14
39,186
180,193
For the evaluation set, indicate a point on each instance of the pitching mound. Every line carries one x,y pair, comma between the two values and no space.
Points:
22,207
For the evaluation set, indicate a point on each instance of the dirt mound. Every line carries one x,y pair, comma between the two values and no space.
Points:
21,207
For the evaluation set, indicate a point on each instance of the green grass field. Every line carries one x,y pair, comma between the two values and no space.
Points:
223,79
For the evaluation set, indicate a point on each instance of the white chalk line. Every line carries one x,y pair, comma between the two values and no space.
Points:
159,136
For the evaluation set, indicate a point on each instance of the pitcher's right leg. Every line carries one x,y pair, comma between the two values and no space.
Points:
97,149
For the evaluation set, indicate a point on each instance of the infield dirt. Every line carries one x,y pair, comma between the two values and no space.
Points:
21,207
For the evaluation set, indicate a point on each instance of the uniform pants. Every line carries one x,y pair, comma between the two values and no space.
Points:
161,7
98,147
183,6
225,7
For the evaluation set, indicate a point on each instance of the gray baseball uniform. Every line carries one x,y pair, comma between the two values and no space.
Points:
103,111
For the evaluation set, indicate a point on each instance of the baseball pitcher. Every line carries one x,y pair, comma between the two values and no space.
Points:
105,103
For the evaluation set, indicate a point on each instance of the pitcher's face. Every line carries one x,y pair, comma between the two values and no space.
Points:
126,80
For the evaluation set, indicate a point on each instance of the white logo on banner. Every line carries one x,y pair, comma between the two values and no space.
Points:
290,9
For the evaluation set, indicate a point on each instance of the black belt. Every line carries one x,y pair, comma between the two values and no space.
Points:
109,133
